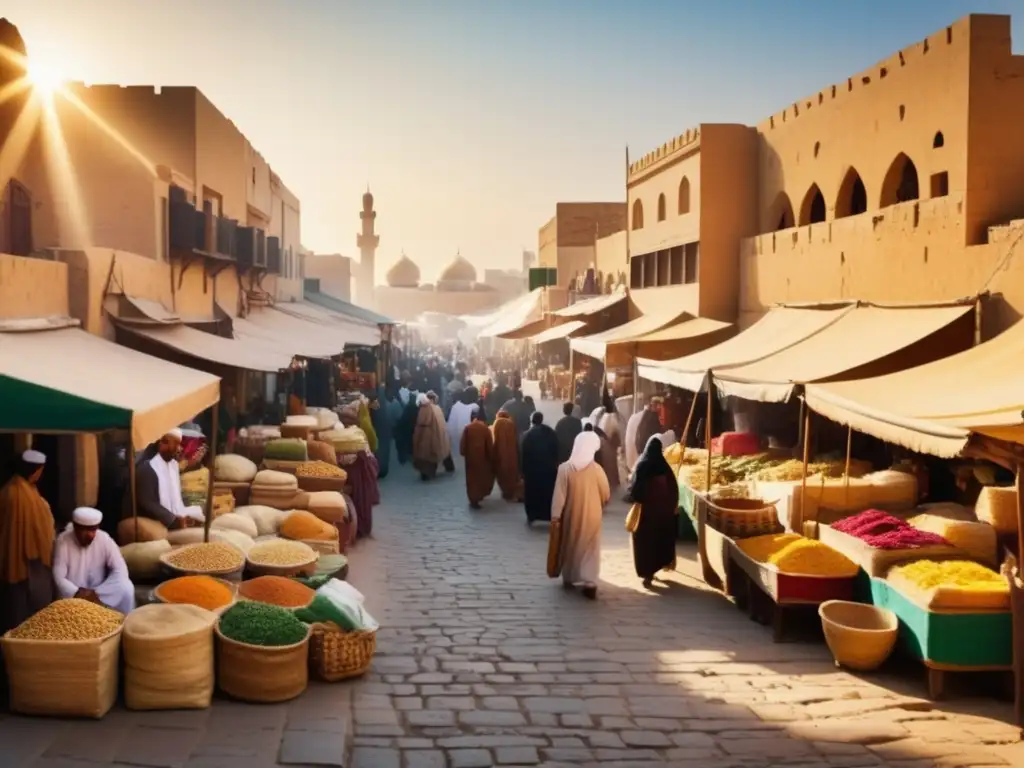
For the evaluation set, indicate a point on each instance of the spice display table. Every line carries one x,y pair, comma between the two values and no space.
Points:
768,593
948,641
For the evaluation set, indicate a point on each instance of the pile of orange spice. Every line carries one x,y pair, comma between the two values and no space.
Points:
276,590
301,524
204,591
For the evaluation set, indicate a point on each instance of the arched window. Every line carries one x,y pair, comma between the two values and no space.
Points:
638,215
852,198
900,184
939,140
684,196
812,210
780,215
661,207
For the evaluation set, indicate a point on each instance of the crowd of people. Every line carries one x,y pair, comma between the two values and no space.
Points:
564,474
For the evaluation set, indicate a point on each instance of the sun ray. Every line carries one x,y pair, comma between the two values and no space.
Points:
13,89
66,191
108,129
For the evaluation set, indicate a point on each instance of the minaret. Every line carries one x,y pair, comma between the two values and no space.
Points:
367,240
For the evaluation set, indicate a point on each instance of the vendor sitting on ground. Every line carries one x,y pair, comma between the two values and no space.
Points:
87,564
158,484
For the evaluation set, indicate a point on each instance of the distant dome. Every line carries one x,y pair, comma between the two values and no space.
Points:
459,271
404,273
368,201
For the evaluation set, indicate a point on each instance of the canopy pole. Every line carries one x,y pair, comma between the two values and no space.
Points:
846,469
211,456
130,455
803,479
636,383
1019,488
707,436
685,438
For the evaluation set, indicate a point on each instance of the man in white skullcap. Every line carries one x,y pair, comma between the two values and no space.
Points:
87,564
26,543
158,483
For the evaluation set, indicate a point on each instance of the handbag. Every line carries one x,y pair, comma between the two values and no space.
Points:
555,549
633,518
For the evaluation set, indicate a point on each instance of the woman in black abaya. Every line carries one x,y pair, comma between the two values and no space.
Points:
655,489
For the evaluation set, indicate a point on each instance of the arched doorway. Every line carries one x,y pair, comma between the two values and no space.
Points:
780,215
853,197
900,184
19,219
812,210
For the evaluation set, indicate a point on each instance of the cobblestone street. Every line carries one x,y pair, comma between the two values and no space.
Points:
485,661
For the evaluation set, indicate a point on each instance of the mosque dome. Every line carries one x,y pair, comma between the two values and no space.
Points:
404,273
459,271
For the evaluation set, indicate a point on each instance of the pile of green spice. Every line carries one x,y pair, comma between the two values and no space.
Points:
261,624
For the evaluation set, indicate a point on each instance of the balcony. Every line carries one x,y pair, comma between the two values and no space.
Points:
198,236
251,248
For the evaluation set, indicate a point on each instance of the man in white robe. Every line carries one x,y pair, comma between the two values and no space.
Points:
87,564
158,484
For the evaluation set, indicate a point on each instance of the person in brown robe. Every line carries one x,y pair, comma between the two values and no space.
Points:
26,544
506,456
430,444
477,446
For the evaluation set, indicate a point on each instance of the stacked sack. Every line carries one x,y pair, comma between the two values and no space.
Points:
325,418
346,440
252,441
274,489
288,452
235,538
267,519
168,657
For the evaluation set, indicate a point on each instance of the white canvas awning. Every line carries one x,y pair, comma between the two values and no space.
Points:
589,307
562,331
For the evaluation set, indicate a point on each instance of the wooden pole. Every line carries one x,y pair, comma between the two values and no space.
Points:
708,433
211,456
684,440
803,480
846,469
130,455
1019,487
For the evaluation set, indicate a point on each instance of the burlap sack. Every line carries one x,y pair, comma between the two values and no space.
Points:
168,657
63,679
148,530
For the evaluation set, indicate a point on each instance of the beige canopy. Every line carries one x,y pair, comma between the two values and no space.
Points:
249,354
884,338
592,306
561,331
67,380
780,328
933,408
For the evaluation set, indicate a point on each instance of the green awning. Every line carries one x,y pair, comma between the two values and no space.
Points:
67,380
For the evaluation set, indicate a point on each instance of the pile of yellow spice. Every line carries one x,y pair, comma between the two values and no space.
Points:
797,555
961,574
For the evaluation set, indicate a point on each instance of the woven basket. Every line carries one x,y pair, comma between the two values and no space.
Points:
296,430
739,518
313,484
860,636
335,655
176,571
301,569
262,674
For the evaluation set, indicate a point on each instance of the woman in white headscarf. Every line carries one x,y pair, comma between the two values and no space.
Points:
581,491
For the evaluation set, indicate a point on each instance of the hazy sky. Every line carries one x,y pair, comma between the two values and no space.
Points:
470,120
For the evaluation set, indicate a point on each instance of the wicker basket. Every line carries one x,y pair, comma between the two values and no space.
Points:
313,484
860,636
335,655
259,673
175,571
296,430
301,569
740,518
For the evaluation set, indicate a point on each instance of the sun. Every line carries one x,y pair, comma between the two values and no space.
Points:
46,74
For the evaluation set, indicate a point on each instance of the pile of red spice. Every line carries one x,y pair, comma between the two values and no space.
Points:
881,530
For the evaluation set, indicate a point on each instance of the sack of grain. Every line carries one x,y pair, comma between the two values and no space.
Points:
168,657
278,499
270,479
997,506
195,536
267,519
299,420
65,678
979,540
148,530
325,417
236,522
286,449
321,451
197,481
329,506
143,559
233,468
